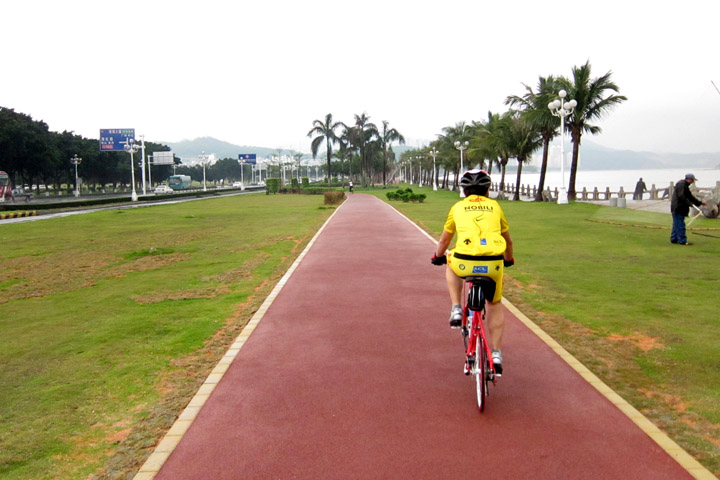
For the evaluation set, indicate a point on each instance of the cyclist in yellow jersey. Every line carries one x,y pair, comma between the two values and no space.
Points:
483,248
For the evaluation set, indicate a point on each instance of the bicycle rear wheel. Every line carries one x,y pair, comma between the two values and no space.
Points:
480,372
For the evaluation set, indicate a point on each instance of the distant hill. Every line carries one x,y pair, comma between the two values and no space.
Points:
592,155
219,148
597,157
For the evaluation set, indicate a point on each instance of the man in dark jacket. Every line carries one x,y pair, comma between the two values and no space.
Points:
680,203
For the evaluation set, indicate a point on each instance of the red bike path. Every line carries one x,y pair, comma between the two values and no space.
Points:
351,372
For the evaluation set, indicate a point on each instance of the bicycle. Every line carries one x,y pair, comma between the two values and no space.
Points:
478,361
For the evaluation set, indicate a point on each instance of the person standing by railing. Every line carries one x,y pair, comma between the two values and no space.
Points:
640,188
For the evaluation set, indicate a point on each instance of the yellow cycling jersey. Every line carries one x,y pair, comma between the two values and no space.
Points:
479,222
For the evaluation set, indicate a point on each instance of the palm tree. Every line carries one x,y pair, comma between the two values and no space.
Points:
325,132
388,136
491,142
458,133
535,109
522,139
344,153
594,99
361,135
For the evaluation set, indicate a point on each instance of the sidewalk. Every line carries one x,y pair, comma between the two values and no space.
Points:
658,206
352,373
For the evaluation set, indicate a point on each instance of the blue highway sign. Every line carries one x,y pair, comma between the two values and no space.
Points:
249,158
115,139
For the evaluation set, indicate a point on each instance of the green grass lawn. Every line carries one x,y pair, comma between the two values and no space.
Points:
109,322
638,311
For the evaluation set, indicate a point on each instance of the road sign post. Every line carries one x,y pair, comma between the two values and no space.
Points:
243,158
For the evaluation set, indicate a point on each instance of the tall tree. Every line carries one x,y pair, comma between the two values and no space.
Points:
534,106
344,153
325,132
522,139
457,133
387,136
362,134
490,140
594,97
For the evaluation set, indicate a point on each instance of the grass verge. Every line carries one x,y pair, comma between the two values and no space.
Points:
638,311
110,321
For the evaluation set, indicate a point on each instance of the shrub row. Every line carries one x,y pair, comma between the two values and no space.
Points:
406,195
334,198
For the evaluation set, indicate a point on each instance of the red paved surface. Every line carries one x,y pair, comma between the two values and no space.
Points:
354,373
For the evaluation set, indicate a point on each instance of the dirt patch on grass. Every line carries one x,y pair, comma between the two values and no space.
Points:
161,296
29,277
675,402
240,273
150,262
225,279
52,273
643,342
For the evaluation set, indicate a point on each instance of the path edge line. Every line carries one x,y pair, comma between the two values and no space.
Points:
675,451
177,431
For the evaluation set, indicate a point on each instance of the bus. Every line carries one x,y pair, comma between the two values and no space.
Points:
180,182
5,187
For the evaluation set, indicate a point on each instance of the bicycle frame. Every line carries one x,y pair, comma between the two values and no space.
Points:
473,333
474,330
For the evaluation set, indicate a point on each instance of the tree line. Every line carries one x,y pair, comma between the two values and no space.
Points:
361,143
492,142
33,155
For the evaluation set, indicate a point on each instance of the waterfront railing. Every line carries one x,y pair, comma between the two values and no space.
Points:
596,194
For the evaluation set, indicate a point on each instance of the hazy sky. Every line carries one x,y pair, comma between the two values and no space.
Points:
259,72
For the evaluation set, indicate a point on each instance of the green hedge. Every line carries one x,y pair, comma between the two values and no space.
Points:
272,185
406,195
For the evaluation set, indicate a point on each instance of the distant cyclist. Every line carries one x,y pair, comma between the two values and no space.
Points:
483,247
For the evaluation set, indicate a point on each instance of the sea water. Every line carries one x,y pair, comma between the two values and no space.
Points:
614,179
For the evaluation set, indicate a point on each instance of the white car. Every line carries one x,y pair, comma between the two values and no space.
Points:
163,189
237,184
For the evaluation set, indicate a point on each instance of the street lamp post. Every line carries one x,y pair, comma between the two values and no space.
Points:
75,160
419,159
462,146
434,153
203,158
561,108
149,164
131,147
142,163
242,174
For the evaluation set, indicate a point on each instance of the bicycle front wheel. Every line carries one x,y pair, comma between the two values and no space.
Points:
480,372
